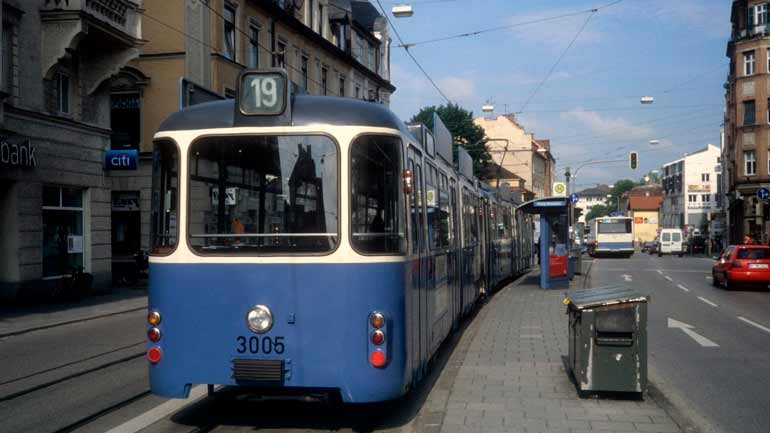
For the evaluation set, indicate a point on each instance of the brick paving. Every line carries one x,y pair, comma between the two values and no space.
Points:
507,375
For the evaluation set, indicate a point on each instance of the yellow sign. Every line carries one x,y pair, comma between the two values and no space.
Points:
699,188
560,189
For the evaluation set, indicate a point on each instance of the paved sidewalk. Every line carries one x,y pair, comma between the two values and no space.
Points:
507,375
17,319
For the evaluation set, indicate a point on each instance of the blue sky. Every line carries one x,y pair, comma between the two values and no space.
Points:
589,108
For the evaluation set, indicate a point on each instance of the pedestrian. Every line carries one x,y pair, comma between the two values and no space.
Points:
748,240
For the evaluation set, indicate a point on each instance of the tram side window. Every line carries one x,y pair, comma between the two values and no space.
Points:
165,184
507,222
444,213
375,195
432,199
471,219
263,194
417,204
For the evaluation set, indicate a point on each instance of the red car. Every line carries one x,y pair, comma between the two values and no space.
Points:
742,264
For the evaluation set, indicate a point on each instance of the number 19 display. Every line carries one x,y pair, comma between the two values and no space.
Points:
263,94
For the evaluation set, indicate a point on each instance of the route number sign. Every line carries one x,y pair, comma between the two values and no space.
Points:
263,93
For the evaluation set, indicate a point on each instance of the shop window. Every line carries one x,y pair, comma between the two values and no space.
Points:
125,120
63,243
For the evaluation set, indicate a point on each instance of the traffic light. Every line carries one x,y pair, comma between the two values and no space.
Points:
633,160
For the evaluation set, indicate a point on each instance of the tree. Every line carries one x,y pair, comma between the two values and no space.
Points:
618,189
598,210
464,132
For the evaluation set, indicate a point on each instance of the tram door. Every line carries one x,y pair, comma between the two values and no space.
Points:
418,292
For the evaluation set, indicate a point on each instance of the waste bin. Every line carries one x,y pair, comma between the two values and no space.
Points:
578,258
608,339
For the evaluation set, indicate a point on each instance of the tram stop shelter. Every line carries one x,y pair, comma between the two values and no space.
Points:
553,241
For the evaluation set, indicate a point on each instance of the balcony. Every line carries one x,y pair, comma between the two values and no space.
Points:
107,33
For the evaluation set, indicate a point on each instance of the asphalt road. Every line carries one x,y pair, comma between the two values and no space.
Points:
53,378
720,367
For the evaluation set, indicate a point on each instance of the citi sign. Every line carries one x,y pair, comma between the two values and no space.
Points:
120,159
17,155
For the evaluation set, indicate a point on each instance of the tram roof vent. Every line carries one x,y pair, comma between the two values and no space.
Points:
464,162
443,139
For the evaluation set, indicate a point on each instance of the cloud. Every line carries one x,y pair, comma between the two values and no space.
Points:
689,15
457,88
599,124
554,34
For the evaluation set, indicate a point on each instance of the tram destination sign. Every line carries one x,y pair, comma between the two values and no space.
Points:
263,93
17,154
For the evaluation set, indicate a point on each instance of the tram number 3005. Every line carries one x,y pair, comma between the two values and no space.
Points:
265,345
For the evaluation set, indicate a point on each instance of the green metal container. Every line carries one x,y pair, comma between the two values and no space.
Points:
608,339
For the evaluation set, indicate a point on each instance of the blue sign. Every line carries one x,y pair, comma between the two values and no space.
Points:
763,193
616,214
573,198
120,159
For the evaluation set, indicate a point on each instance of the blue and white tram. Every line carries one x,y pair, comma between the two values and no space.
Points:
312,244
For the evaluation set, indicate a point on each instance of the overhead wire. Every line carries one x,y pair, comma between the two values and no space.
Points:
395,31
553,68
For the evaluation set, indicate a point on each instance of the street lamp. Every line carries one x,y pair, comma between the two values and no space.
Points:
654,142
647,100
402,11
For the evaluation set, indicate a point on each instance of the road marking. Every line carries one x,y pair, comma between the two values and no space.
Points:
683,287
709,277
707,301
669,278
688,329
660,272
743,319
626,277
154,415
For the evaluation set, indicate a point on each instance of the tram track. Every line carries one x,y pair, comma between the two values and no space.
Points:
93,417
50,383
68,322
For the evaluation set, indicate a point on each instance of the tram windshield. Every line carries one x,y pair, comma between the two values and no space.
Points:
263,195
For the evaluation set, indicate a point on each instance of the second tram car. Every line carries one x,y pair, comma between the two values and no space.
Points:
314,244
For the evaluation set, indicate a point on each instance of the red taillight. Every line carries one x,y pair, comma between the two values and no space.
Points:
154,355
378,337
153,334
377,358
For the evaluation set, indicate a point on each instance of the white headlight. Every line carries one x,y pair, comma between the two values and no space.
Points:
260,319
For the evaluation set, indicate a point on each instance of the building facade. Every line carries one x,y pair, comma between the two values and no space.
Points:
590,197
746,157
643,204
518,152
58,61
327,47
690,191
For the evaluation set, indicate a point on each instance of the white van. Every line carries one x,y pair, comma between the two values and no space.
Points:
671,242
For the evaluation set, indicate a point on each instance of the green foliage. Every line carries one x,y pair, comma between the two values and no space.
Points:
618,189
654,177
598,210
465,133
